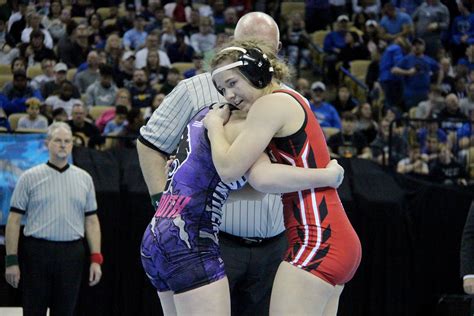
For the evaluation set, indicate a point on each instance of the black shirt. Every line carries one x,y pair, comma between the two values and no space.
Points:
347,146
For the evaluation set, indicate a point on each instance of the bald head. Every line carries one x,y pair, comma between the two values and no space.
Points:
260,26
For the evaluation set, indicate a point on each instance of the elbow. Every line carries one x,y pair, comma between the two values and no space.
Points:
228,175
260,183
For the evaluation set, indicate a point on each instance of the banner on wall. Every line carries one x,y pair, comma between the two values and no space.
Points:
18,152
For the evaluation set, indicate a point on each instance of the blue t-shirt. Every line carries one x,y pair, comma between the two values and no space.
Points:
462,25
390,57
327,115
336,39
395,26
418,84
465,130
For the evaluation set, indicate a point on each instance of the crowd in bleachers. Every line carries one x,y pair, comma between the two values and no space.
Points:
104,66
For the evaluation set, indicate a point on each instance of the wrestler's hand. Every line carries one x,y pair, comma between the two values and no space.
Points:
336,172
95,273
217,115
12,275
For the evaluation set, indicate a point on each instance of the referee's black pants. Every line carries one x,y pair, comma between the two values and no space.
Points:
51,274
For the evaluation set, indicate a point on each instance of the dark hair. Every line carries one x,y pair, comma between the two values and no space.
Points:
132,115
58,111
98,17
174,71
348,116
23,59
121,109
36,33
106,70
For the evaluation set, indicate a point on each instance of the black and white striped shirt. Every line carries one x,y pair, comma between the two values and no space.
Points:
54,201
163,132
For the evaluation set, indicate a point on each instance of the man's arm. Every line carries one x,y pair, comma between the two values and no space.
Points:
152,162
12,235
92,228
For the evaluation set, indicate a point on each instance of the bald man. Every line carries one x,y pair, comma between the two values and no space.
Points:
251,232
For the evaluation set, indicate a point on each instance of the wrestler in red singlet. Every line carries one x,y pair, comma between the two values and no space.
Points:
321,238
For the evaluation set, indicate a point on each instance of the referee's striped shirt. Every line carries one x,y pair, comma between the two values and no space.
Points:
54,201
163,132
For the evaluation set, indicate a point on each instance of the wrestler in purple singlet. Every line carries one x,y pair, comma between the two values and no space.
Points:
180,249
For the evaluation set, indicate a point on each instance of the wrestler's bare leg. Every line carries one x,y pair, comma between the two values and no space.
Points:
208,300
167,303
298,292
333,303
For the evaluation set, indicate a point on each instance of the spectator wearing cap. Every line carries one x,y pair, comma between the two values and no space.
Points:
431,18
462,30
180,51
141,92
416,70
34,24
54,87
65,99
103,91
33,120
35,51
371,7
372,35
333,43
325,113
205,40
135,38
152,43
198,67
17,92
87,77
124,75
395,23
47,67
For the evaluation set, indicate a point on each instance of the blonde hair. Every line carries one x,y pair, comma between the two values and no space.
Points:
281,72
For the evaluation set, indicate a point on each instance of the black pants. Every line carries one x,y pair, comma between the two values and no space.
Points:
51,274
251,269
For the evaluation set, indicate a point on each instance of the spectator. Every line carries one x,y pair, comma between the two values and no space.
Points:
462,30
54,87
413,164
368,7
58,27
126,22
460,87
157,100
432,129
168,34
17,92
447,170
431,18
52,21
302,86
172,80
59,115
349,143
115,126
123,98
295,40
467,62
135,38
446,76
103,91
65,99
344,100
354,49
333,43
230,21
34,24
158,16
96,31
132,130
198,66
451,116
430,152
33,120
17,22
467,104
113,50
80,128
372,36
140,90
156,74
47,66
75,52
417,70
205,40
180,51
325,113
60,209
391,84
179,10
124,75
366,124
380,146
407,6
8,51
432,106
395,23
465,136
87,77
193,26
35,51
152,43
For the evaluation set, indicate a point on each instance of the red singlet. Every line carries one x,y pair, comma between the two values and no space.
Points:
321,238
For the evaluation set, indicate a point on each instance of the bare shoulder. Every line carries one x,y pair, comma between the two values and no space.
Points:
274,102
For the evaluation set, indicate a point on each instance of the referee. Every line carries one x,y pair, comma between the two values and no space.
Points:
58,201
251,235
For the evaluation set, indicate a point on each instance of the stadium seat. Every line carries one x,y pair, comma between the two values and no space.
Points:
71,73
14,118
33,71
288,8
96,111
182,67
5,69
359,68
31,130
4,79
104,13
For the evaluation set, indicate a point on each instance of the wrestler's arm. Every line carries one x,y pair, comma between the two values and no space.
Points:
266,117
